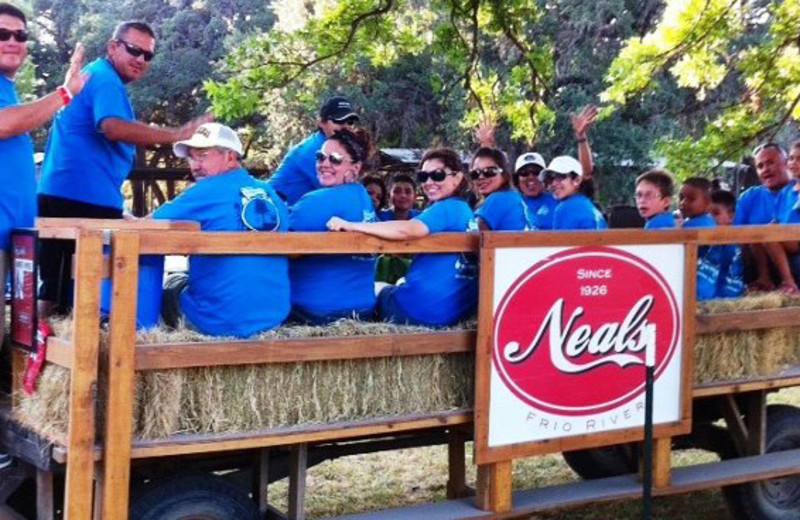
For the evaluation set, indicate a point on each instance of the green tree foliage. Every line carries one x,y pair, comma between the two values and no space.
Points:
740,61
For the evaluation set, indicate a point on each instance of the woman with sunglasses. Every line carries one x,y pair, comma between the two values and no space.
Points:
574,211
329,287
502,208
541,203
439,289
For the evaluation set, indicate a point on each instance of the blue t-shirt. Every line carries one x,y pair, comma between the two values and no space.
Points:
505,210
388,214
17,180
297,173
578,212
663,220
542,208
233,295
708,259
440,289
79,162
759,205
731,273
328,287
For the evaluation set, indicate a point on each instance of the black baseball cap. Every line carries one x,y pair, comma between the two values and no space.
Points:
338,110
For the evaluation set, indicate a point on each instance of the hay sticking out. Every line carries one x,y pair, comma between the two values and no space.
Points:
746,354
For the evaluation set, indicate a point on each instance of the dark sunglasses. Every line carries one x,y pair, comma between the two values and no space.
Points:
549,177
434,175
135,51
528,172
21,35
334,158
488,173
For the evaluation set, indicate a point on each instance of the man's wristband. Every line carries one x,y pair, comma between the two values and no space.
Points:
580,140
66,95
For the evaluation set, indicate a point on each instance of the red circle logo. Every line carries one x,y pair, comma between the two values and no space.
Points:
572,332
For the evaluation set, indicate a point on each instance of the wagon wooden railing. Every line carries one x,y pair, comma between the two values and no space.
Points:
82,354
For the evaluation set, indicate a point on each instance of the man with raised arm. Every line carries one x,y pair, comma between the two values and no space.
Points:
91,148
17,182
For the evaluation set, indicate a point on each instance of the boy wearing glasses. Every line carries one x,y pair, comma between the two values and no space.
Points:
91,148
654,191
297,173
226,295
18,184
574,211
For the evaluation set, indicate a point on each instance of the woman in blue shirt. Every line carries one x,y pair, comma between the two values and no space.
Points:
574,211
502,208
328,287
439,289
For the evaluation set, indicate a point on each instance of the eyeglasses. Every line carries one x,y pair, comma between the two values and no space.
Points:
202,156
20,35
549,177
335,159
136,51
528,172
434,175
487,173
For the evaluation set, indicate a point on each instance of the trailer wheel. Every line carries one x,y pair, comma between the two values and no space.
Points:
777,498
608,461
195,497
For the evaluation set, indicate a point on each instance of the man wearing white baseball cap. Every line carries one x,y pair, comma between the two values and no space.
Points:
541,204
226,295
574,211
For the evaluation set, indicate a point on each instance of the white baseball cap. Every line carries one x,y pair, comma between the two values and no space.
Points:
209,135
528,159
564,165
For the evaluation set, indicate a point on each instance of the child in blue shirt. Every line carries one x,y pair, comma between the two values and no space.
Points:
694,203
731,275
574,211
654,191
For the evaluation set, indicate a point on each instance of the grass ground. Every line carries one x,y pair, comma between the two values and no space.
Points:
405,477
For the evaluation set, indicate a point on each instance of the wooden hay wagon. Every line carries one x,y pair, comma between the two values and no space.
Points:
111,471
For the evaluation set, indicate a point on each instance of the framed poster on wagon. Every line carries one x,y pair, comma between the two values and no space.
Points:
564,333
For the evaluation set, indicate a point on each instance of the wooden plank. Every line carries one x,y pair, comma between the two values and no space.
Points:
224,243
186,355
120,386
261,480
662,449
688,332
748,234
747,320
483,354
614,237
184,445
735,424
45,501
83,383
493,487
59,351
756,419
456,465
298,471
122,224
745,385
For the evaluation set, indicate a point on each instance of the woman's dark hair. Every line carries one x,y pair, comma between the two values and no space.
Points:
795,145
452,161
498,156
377,181
356,142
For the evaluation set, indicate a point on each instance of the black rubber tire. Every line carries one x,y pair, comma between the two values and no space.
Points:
778,498
195,496
609,461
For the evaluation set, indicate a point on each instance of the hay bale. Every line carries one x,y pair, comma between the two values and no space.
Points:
231,399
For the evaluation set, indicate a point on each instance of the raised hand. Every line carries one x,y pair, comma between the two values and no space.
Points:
74,80
484,133
582,121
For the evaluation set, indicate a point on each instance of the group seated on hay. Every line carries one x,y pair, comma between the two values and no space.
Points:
271,297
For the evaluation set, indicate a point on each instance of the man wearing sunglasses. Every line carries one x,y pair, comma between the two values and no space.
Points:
91,148
297,173
17,181
226,295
